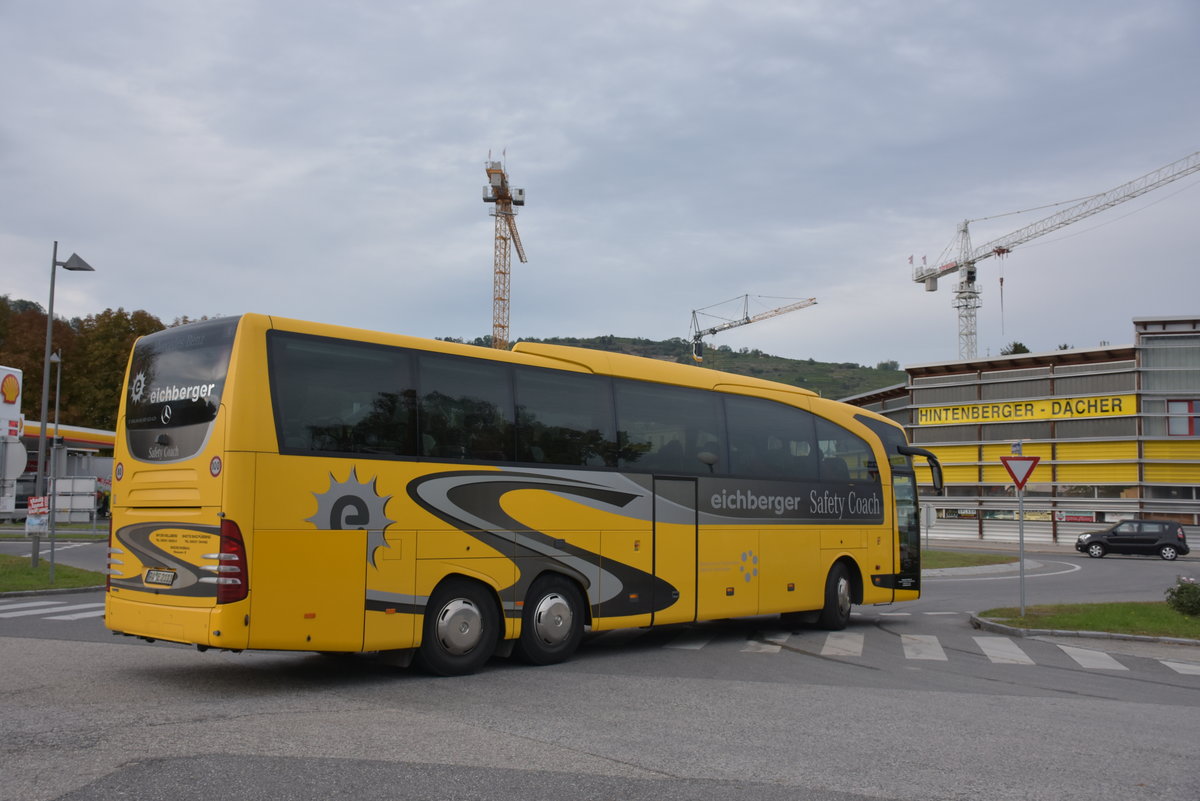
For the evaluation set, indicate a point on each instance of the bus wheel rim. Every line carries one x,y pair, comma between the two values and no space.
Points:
552,619
843,595
459,626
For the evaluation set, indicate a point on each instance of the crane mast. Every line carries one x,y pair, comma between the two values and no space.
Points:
966,296
497,191
697,333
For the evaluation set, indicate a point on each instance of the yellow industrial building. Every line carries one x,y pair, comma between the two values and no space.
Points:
1116,429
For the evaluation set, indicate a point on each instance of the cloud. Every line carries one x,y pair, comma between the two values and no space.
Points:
325,163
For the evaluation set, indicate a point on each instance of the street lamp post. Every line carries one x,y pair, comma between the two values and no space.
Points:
79,265
56,360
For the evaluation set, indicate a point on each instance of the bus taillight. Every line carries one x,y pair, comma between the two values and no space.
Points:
233,582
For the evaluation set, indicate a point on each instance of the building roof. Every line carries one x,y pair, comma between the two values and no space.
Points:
1021,360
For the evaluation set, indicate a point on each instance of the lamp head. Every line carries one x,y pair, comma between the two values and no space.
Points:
77,264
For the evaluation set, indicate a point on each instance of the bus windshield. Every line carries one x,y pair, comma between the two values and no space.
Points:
175,383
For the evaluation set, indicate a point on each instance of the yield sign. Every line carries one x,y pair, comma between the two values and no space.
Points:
1020,468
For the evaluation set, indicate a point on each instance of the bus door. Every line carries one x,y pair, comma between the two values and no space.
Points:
675,535
908,530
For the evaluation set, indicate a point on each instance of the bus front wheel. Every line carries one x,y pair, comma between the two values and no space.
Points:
835,615
552,621
462,625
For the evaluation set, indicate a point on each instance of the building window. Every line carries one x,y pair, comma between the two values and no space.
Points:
1182,418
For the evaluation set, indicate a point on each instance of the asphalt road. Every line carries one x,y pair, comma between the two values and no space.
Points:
909,702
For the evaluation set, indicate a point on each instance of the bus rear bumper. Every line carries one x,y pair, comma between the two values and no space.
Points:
190,625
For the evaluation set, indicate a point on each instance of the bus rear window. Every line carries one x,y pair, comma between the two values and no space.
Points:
174,389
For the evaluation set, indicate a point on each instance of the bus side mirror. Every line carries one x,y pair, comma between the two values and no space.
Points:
935,467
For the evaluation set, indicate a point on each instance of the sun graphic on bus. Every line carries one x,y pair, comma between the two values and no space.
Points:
137,387
352,505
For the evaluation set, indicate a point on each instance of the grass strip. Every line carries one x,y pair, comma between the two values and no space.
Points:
1153,618
936,560
16,575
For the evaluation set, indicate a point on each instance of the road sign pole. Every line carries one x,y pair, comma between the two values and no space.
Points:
1020,467
1021,540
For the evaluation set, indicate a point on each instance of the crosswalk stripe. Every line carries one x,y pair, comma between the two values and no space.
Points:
26,604
1003,651
80,615
42,611
922,646
1186,668
1092,660
842,643
773,645
689,641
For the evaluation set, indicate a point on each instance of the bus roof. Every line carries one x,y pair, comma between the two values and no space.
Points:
560,356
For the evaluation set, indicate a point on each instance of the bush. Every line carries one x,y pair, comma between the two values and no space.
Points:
1184,596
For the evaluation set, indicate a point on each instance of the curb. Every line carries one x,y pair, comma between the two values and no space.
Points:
991,625
49,591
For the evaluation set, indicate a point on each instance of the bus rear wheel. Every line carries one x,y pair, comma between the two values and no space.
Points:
461,628
552,621
835,615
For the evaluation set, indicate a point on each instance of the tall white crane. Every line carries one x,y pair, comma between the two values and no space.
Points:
697,334
964,257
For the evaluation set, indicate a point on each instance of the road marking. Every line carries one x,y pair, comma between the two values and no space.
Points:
1186,668
773,645
79,615
922,646
943,613
28,612
26,604
1070,569
689,641
842,643
1003,651
895,614
1092,660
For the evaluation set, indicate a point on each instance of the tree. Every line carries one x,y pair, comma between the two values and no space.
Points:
102,349
23,346
1065,346
891,364
1014,348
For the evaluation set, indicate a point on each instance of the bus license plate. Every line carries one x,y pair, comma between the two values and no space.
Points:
163,577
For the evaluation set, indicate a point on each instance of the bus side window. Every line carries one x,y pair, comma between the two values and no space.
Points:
844,455
564,418
665,429
467,407
770,439
336,396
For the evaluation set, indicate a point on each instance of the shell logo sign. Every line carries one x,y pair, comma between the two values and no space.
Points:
10,388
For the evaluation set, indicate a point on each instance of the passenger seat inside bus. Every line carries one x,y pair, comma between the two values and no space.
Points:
834,468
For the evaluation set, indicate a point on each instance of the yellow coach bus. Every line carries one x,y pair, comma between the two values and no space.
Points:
289,485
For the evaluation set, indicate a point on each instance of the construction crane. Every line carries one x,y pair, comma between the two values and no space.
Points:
963,257
498,191
697,334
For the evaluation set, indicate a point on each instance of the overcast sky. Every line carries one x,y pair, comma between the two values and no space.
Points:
325,160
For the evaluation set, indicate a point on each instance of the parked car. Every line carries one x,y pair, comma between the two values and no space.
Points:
1144,537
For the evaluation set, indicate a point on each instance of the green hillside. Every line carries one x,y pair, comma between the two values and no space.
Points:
831,380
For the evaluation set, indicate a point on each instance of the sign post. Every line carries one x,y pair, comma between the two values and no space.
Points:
1020,468
35,523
